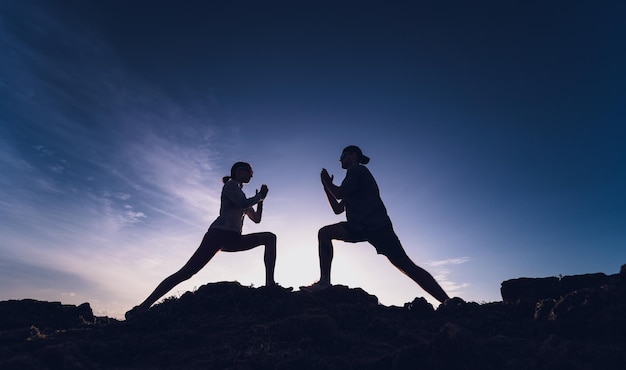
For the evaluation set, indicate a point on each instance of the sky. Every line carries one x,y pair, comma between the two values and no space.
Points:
495,131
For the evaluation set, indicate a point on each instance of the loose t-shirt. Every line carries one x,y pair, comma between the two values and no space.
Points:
364,208
234,205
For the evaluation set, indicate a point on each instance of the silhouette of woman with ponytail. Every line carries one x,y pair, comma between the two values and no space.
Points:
225,234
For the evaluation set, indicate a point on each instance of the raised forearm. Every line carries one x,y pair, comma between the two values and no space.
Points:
259,212
239,198
334,204
334,190
255,216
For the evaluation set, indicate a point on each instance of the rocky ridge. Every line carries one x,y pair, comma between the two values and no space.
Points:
573,322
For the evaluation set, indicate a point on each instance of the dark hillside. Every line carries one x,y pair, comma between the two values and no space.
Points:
228,326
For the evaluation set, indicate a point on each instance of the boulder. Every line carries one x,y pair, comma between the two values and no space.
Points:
17,314
525,292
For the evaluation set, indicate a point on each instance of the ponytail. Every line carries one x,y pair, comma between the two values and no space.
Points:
233,171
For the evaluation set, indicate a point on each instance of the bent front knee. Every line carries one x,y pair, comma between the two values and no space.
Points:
324,234
269,238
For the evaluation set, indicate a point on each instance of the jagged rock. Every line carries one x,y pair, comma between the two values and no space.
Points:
15,314
557,353
457,306
525,292
317,328
341,293
591,311
21,362
420,307
456,348
229,326
543,309
568,284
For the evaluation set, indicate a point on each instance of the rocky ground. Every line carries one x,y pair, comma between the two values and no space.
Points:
576,322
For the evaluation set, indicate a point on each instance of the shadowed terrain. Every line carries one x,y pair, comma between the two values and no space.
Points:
573,322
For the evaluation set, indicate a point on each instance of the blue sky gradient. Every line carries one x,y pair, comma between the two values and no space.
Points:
495,129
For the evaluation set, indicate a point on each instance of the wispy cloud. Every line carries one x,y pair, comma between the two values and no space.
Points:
451,261
105,163
107,125
442,274
44,151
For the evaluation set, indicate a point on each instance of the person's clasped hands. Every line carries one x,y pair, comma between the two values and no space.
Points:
326,178
263,191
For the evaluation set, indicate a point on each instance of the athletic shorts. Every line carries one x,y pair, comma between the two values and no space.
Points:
384,239
221,238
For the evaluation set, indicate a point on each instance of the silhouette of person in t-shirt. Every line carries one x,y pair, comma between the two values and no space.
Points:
366,220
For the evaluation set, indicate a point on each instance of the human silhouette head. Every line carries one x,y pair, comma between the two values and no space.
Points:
352,154
240,171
